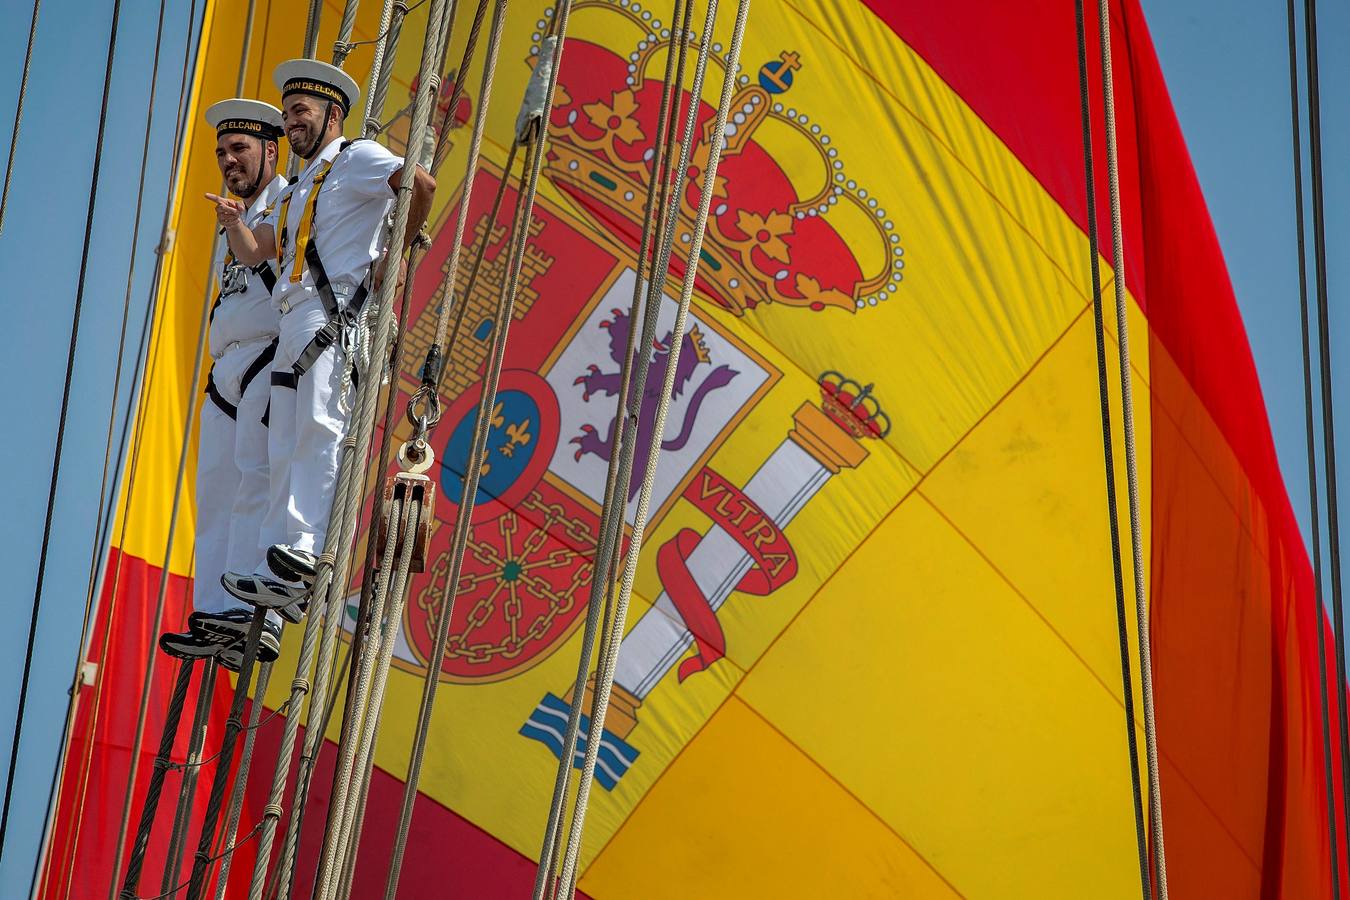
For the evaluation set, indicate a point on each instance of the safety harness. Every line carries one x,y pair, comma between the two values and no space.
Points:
340,317
269,279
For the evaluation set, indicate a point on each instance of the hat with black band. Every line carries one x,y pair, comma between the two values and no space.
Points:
240,116
317,79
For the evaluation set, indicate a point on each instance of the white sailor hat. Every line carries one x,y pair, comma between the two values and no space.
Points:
318,79
240,116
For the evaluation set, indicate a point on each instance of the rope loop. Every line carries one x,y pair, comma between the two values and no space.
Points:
424,411
273,811
301,685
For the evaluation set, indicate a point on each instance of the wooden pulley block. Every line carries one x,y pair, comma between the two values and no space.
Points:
410,487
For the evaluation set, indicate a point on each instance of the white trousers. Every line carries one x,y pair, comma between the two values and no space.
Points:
305,429
232,481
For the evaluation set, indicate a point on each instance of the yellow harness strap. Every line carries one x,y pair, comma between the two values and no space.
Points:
306,229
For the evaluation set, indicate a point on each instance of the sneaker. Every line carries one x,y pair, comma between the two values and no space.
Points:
190,645
292,564
290,600
231,628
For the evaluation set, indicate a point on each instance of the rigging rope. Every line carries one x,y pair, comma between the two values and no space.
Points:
534,132
357,756
351,481
105,508
157,774
202,862
226,854
1108,455
18,113
345,505
1159,857
612,510
187,788
60,428
1324,357
190,52
605,676
1333,830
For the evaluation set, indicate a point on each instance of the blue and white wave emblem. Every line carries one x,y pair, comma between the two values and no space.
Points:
547,724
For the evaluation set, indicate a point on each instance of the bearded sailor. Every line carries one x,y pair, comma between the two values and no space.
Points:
327,233
232,474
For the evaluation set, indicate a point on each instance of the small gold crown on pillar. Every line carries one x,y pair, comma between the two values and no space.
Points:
852,406
770,238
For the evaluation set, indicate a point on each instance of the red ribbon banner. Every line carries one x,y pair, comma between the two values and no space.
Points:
774,563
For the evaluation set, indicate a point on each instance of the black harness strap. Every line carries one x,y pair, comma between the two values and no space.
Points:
221,403
256,367
268,275
339,319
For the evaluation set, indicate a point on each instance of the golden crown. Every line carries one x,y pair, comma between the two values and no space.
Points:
852,406
768,240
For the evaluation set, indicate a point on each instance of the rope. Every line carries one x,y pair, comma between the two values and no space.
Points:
201,867
345,506
470,47
312,28
613,512
253,832
419,253
18,113
1324,354
241,779
1310,431
156,786
378,71
187,789
103,519
189,54
501,328
60,429
359,755
605,676
1131,469
342,45
357,697
428,393
245,730
1108,456
351,476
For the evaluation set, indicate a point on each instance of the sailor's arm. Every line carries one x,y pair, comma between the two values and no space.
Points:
424,186
249,245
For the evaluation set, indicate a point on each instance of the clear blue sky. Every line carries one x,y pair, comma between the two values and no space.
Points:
1225,63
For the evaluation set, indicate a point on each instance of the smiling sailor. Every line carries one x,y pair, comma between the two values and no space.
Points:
232,476
327,233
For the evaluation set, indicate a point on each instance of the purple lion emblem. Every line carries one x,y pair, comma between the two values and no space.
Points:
693,354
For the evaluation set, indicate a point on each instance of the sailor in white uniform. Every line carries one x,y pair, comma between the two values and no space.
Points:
327,232
232,476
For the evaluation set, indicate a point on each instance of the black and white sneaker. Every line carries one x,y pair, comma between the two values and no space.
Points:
190,645
290,600
291,564
231,629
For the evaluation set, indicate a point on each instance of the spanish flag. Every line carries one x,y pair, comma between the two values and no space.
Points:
873,648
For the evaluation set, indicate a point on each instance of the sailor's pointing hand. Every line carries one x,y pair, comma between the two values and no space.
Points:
228,211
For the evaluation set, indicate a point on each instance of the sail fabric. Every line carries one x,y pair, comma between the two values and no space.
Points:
872,649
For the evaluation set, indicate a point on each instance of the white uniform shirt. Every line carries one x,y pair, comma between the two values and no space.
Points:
349,222
244,311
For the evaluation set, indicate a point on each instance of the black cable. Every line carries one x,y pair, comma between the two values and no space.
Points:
1108,455
60,429
1333,836
1324,355
18,112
